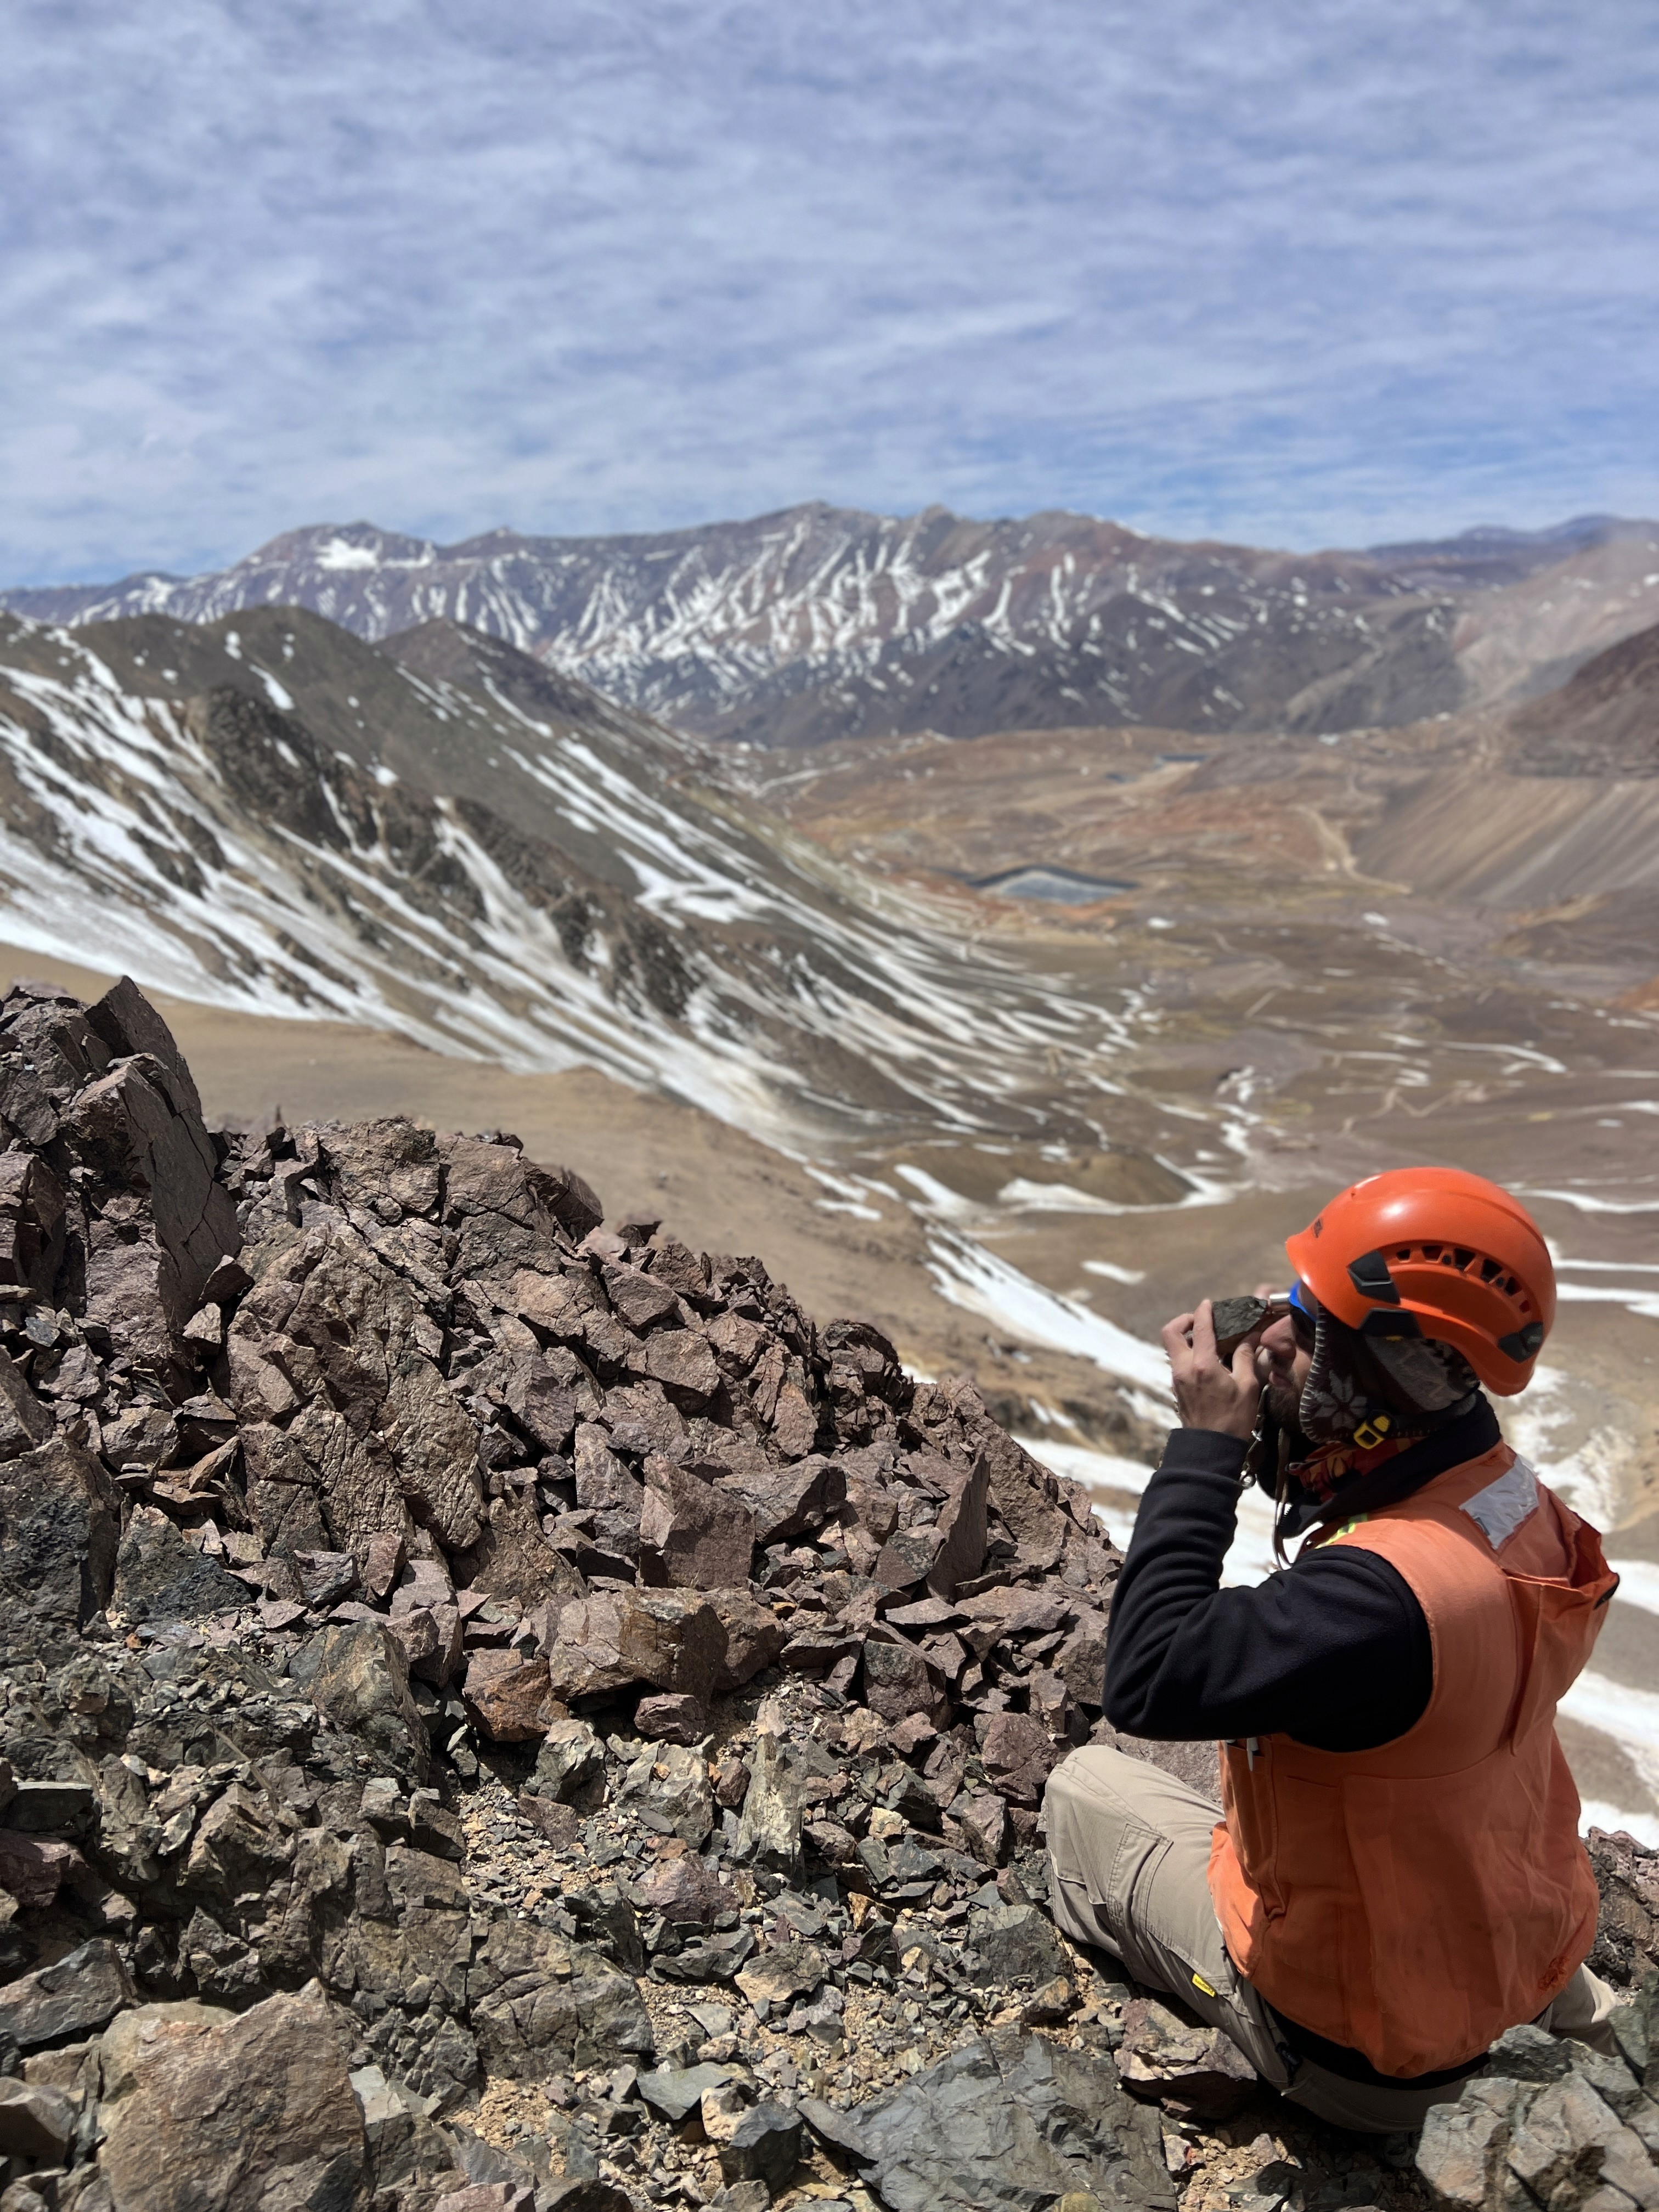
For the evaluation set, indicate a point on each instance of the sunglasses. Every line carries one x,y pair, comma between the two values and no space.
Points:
1304,1314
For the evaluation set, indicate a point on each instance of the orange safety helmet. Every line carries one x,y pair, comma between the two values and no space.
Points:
1434,1252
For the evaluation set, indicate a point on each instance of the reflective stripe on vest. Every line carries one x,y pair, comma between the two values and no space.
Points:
1413,1901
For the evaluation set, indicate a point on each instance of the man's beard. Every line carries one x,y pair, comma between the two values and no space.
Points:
1285,1404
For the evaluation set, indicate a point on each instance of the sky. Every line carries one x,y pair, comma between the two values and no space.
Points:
1299,272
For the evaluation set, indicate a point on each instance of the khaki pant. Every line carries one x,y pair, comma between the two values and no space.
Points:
1129,1853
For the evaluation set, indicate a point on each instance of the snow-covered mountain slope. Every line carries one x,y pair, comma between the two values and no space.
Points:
446,839
821,622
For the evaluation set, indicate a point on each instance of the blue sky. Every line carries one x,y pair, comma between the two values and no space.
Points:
1299,272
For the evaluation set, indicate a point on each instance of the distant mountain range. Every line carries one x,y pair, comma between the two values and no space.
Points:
445,838
820,622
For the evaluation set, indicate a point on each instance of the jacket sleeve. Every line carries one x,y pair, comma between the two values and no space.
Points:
1333,1651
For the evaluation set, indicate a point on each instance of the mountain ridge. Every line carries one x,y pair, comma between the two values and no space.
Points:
817,623
477,851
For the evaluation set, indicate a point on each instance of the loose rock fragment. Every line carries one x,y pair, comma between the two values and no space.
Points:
764,2146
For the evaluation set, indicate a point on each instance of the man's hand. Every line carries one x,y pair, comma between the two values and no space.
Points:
1209,1393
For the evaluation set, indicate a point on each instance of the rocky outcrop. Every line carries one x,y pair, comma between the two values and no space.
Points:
498,1709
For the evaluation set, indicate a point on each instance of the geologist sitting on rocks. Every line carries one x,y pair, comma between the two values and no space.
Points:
1393,1876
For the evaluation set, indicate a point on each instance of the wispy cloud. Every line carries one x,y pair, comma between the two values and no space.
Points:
1314,269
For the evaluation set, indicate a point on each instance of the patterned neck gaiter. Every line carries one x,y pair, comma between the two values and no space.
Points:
1366,1401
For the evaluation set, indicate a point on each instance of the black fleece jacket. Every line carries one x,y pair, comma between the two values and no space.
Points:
1335,1652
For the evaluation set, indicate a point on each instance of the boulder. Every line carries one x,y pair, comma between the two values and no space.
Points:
1199,2072
1008,2119
670,1782
140,1125
318,1484
962,1527
540,2006
907,1558
126,1023
769,1828
1017,1943
570,1758
692,1536
36,2122
661,1639
1018,1755
24,1421
786,1971
513,1559
159,1575
765,2146
361,1683
674,2093
790,1501
671,1716
680,1359
59,1530
33,1868
898,1682
508,1696
244,2114
754,1635
686,1892
76,1996
33,1226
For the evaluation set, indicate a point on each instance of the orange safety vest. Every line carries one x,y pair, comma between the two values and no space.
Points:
1414,1901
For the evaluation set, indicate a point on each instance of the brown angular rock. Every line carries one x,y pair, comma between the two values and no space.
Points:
160,1575
32,1224
692,1536
329,1316
571,1756
1018,1755
32,1869
686,1891
36,2122
572,1203
908,1557
540,2006
320,1485
962,1527
769,1831
1081,1660
24,1421
794,1422
790,1501
680,1359
664,1639
125,1020
898,1682
671,1716
544,1406
140,1125
247,2113
983,1819
509,1698
513,1559
642,1300
754,1635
